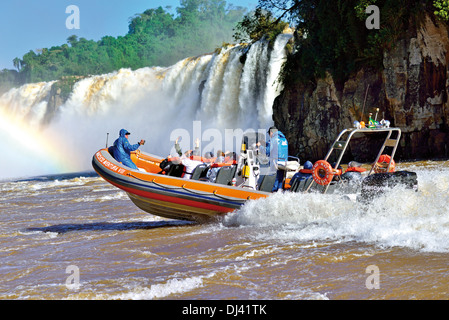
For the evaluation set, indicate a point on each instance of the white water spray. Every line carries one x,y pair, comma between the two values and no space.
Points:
417,220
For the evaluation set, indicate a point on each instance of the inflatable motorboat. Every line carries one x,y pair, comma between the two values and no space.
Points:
160,187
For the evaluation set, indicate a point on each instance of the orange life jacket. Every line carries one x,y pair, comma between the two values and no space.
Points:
355,169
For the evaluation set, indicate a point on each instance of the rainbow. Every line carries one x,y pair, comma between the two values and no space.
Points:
31,151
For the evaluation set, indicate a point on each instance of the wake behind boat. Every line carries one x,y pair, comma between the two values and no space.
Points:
157,186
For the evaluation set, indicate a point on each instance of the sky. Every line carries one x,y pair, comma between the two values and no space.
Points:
34,24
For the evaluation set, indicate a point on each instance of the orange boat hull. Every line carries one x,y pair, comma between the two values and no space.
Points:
168,196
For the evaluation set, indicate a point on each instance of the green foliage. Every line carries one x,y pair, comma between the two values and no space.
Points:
155,38
65,86
8,80
332,36
442,7
361,6
334,39
258,24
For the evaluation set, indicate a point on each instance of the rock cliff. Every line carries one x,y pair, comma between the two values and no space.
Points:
411,92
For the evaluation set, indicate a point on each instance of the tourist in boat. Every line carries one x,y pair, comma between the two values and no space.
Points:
190,162
213,171
209,157
230,157
178,149
277,150
303,174
122,149
190,159
353,172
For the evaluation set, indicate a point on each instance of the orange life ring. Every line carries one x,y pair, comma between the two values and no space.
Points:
323,173
382,164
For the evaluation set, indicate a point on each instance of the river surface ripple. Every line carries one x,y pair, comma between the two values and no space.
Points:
56,230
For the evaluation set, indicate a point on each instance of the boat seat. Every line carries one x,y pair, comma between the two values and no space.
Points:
295,186
111,150
289,166
332,188
301,185
176,170
200,172
225,175
267,183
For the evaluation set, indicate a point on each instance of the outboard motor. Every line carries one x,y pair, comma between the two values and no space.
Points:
375,184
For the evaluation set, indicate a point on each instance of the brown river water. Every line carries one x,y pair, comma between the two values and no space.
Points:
77,237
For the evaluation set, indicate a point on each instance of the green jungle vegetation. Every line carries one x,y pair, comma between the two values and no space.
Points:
155,38
331,36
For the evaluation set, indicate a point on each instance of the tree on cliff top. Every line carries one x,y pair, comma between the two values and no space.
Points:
332,36
257,24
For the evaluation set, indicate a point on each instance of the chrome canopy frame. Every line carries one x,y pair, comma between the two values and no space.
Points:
345,136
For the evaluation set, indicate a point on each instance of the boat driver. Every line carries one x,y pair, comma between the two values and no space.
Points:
277,150
122,149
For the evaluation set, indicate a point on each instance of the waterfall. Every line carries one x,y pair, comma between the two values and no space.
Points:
232,88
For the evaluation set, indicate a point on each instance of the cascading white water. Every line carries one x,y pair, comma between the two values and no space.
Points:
28,102
212,91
